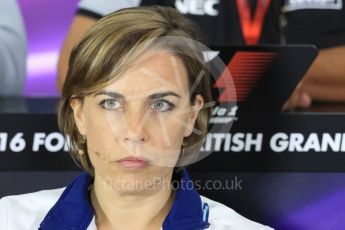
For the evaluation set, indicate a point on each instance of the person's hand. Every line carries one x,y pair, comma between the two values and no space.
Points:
298,99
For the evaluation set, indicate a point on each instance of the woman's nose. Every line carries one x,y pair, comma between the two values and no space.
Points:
136,128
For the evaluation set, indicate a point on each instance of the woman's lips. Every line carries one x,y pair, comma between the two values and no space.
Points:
133,162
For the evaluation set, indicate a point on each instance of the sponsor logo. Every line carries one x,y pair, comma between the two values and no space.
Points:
292,5
224,115
246,69
197,7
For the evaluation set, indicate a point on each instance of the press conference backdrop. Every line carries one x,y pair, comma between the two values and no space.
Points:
47,23
287,172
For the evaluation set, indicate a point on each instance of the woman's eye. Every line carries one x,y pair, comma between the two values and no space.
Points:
162,105
110,104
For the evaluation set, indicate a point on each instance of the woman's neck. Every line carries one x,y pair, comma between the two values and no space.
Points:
120,210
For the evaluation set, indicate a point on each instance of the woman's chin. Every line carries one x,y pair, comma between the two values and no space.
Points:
131,185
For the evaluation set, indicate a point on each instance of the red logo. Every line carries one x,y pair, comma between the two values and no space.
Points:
246,68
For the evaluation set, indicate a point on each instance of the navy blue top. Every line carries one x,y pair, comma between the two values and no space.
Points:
73,209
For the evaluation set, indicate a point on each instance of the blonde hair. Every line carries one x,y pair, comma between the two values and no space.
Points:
108,49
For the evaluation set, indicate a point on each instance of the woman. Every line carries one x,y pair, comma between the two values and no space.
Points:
135,108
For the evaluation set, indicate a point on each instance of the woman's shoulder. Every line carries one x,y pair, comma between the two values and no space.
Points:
26,211
221,216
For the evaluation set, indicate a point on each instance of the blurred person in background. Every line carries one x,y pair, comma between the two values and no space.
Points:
12,49
238,22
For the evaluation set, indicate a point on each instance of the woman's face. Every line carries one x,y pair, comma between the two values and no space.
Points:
136,125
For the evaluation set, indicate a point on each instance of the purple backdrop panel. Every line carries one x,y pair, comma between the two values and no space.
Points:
47,23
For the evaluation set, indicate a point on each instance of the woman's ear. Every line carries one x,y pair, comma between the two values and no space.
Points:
78,113
196,107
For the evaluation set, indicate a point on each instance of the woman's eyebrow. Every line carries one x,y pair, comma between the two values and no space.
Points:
110,94
163,94
151,97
